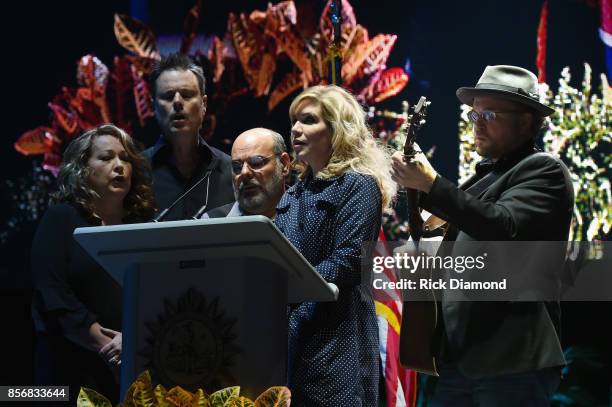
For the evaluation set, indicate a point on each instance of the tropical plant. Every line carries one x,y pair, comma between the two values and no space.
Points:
142,394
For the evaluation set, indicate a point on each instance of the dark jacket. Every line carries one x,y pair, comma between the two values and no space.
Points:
221,211
532,200
71,292
333,346
169,184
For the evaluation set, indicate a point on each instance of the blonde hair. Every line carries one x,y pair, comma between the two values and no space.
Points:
353,146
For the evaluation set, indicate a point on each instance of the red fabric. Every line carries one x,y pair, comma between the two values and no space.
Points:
542,38
394,374
606,16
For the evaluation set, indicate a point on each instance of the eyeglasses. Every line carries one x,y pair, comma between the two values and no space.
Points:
487,115
254,162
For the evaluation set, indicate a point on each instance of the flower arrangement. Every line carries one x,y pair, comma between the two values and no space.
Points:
579,132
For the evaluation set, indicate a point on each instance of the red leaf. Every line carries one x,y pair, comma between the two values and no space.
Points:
67,119
142,98
190,26
135,36
390,83
37,141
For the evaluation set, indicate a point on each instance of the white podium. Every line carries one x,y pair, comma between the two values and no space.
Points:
205,301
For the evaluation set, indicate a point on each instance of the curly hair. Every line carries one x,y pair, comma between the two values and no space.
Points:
74,186
353,145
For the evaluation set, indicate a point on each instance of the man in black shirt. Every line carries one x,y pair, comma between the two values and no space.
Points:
181,158
504,353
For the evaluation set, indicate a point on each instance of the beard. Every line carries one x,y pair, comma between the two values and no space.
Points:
263,195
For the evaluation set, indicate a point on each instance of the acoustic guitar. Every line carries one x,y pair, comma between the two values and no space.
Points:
419,318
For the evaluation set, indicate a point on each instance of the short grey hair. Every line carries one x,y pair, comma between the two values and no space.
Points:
278,141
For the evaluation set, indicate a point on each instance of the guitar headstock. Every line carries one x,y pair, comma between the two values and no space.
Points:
416,119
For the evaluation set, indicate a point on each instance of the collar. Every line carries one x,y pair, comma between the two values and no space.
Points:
235,211
162,149
312,183
506,162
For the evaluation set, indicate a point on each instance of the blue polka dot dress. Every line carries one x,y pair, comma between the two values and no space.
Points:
333,346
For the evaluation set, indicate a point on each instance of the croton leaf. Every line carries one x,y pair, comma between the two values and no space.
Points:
135,36
201,399
160,396
190,26
179,397
37,141
144,396
142,98
91,398
277,396
218,398
389,83
348,19
142,383
239,402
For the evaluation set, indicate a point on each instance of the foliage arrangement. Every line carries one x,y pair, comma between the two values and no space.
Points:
267,54
579,132
142,394
246,62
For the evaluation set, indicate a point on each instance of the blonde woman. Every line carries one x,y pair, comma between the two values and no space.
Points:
332,210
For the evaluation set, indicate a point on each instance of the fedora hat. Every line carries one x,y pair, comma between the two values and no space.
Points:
506,82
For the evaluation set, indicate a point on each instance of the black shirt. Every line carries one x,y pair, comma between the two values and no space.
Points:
169,183
71,292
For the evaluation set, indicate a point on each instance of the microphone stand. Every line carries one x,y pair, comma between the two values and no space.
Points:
163,213
200,211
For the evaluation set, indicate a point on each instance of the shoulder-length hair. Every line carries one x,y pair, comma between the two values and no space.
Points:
73,178
353,146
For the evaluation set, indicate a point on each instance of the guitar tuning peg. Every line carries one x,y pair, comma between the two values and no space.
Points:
422,122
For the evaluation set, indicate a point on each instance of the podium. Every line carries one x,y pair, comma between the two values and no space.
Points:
205,301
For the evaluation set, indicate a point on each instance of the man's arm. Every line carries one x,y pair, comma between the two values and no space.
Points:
536,193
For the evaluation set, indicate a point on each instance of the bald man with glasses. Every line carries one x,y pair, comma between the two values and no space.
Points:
498,353
260,165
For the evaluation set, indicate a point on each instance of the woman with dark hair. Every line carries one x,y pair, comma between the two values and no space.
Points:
103,180
328,214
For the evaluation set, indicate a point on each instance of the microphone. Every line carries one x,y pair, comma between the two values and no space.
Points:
200,211
163,213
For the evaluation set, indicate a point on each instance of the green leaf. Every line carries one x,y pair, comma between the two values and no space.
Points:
144,396
278,396
201,399
91,398
218,398
239,402
160,395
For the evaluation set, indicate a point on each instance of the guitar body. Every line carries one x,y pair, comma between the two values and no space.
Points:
418,336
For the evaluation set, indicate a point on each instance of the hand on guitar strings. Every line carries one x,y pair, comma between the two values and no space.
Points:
415,173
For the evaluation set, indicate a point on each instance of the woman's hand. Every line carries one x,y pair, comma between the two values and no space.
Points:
416,173
111,352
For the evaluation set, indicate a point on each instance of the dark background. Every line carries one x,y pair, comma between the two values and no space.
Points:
448,43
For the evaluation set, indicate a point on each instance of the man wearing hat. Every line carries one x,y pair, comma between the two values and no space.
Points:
498,353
